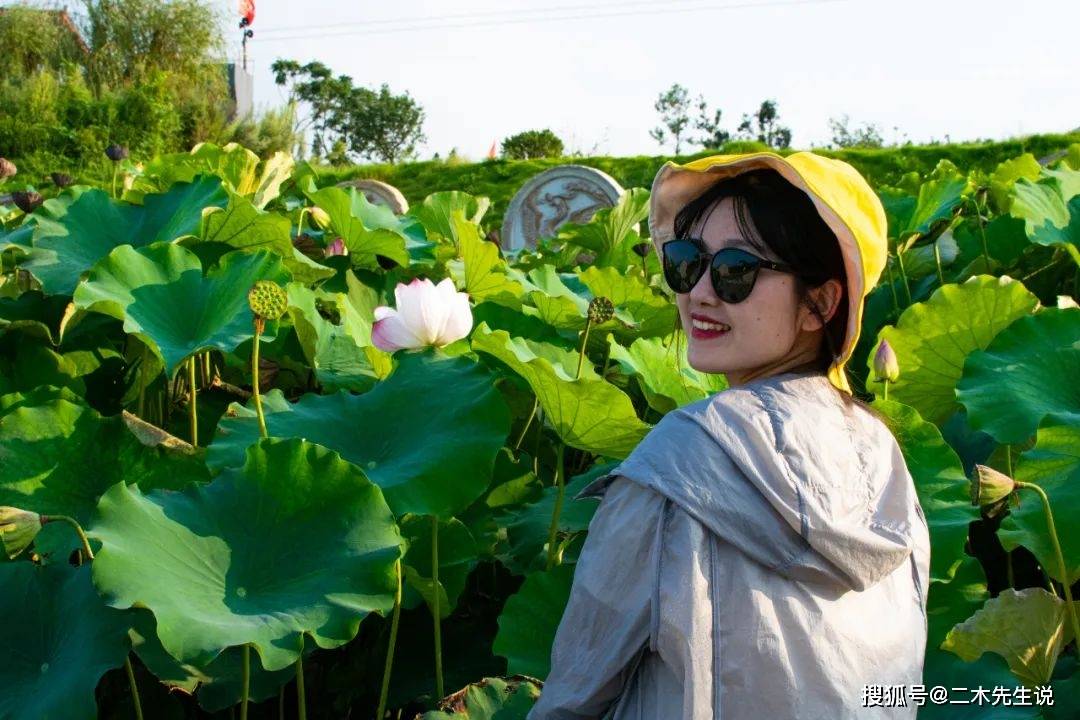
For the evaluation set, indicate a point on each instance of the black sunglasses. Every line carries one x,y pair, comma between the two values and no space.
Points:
733,271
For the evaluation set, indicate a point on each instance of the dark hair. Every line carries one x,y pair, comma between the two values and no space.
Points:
789,228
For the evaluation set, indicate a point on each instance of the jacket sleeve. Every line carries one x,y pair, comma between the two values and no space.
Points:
612,613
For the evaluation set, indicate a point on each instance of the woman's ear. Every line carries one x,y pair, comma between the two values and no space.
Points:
826,298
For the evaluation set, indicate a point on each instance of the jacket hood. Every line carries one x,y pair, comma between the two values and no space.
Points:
842,197
782,469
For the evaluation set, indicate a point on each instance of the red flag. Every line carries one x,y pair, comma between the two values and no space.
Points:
247,11
491,152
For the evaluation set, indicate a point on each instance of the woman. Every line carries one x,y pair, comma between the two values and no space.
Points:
762,554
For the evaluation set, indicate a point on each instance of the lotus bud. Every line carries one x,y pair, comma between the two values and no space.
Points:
989,487
62,180
267,299
642,248
600,310
320,217
116,153
426,315
338,248
27,201
886,366
18,528
7,169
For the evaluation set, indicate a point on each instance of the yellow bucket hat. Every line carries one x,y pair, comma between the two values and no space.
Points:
843,198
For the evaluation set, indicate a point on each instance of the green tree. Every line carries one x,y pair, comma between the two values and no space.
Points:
844,136
714,136
767,129
371,124
34,40
674,108
532,144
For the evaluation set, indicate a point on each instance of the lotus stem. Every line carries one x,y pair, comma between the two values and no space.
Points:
982,231
1060,558
116,168
885,393
390,649
142,384
245,680
192,415
78,531
903,275
301,700
281,703
134,687
435,603
937,259
536,404
558,504
255,376
581,353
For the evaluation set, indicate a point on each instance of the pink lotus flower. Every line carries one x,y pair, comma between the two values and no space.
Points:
336,248
426,314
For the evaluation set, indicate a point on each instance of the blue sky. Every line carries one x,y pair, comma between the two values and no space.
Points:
990,69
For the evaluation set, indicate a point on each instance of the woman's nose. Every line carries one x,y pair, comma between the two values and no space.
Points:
703,291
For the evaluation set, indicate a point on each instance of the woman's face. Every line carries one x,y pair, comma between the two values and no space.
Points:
770,332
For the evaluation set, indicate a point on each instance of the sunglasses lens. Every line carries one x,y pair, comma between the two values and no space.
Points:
683,265
733,274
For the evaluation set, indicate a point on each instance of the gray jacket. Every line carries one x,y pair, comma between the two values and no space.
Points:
761,555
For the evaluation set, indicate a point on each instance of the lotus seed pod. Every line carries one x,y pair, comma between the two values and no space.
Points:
267,299
116,153
600,310
7,169
989,487
27,201
642,249
62,180
18,528
320,217
886,366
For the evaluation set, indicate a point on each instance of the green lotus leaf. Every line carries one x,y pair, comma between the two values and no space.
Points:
58,457
219,683
933,338
611,231
936,201
243,226
1054,465
1028,628
492,698
480,271
161,295
530,618
36,364
59,638
363,228
645,312
1023,375
940,482
341,354
948,604
437,211
1005,241
527,527
1005,176
237,166
663,373
95,225
457,558
32,314
427,435
296,541
588,413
